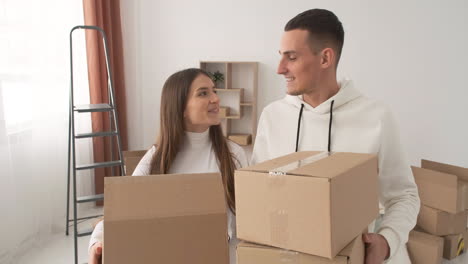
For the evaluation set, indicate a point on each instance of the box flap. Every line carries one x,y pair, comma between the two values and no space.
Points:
353,253
438,190
334,165
313,163
280,161
170,195
460,172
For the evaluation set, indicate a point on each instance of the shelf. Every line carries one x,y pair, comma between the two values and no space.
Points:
238,94
228,90
232,117
241,139
230,62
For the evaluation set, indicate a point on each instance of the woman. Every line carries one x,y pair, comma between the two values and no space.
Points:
190,141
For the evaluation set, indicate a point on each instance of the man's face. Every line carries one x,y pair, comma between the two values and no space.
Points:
299,65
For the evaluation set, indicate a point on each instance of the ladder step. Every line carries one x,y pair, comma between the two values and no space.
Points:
99,165
93,108
86,217
85,232
96,134
90,198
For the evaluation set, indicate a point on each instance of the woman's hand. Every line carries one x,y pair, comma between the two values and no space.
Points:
95,254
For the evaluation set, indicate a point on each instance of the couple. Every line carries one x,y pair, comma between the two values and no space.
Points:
320,114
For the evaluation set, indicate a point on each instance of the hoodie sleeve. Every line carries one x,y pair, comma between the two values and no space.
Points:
260,149
399,193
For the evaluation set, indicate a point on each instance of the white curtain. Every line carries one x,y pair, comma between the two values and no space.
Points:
34,88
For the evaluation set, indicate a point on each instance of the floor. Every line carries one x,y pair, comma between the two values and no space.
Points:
59,249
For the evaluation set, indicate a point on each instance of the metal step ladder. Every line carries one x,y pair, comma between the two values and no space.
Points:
110,108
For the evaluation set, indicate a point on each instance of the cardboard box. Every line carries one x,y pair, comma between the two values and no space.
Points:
248,253
425,248
441,190
455,245
310,202
440,223
131,160
172,218
223,111
460,172
241,139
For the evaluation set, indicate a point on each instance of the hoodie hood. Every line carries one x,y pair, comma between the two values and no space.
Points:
346,94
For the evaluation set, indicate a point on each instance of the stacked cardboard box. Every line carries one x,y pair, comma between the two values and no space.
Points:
310,206
172,218
443,217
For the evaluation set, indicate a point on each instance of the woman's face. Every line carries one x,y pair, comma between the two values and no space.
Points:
202,110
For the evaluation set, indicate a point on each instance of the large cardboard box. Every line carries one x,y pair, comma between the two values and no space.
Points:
425,248
455,245
248,253
172,218
311,202
460,172
441,190
440,223
131,160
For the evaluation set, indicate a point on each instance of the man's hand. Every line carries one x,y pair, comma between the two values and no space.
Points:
95,254
377,248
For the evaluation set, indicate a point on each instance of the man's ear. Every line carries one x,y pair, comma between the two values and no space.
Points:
327,58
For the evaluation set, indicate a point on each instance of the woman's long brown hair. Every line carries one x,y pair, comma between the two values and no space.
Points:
174,99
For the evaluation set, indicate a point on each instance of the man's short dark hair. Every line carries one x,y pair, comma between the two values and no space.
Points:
324,27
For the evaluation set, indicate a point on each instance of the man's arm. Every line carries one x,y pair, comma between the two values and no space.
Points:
398,190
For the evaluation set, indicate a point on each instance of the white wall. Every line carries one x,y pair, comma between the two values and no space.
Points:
409,54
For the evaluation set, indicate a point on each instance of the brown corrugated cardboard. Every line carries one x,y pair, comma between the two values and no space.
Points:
440,190
315,207
131,160
248,253
241,139
165,219
460,172
440,223
425,248
455,245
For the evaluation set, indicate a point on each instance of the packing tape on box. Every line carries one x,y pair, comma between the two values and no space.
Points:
283,170
289,257
277,177
279,227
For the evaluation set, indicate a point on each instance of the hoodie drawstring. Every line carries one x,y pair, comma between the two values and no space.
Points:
299,126
329,126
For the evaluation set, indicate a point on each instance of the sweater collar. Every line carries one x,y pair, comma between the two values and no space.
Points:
195,139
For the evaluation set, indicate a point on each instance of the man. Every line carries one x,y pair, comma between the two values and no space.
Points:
320,113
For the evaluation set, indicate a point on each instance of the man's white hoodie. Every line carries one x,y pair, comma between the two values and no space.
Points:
360,125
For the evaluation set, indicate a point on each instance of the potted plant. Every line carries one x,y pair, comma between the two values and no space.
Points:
217,77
